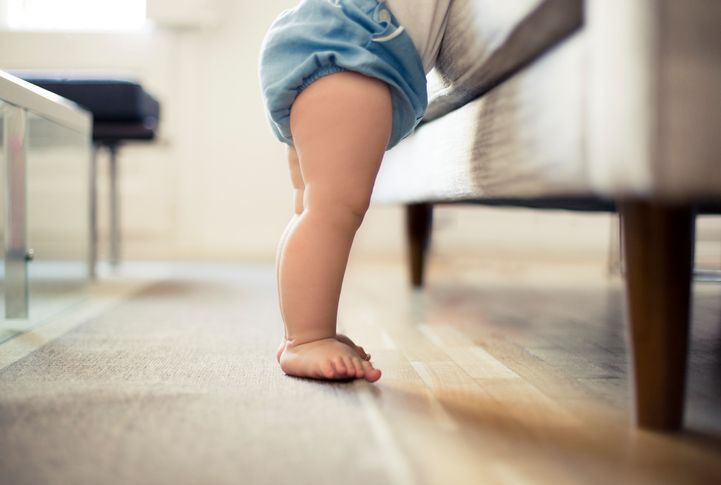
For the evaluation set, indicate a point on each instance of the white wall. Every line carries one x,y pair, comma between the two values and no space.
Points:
216,185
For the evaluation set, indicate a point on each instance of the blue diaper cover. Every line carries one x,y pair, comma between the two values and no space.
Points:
322,37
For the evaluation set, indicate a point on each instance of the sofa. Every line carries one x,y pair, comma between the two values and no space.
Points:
590,105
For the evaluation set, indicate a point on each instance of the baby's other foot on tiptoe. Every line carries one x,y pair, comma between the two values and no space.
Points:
346,340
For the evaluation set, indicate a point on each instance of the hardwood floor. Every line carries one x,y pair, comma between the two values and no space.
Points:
505,373
499,372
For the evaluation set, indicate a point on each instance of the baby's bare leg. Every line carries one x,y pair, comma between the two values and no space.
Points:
298,190
298,186
341,125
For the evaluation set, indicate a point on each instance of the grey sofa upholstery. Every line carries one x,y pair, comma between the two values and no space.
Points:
581,104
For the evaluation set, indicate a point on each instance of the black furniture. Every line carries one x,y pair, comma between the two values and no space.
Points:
122,111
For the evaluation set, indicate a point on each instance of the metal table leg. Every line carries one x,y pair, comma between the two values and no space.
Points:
114,207
16,253
93,250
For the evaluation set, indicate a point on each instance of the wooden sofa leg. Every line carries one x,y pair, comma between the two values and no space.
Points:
659,248
419,221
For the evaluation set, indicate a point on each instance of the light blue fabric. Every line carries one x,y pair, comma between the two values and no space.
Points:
321,37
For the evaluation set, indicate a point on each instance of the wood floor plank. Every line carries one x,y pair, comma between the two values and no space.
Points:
527,404
479,364
416,346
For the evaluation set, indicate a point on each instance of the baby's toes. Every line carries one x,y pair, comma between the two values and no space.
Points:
358,370
371,374
350,368
364,355
327,370
340,366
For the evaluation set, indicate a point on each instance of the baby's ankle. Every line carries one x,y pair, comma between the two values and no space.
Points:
298,340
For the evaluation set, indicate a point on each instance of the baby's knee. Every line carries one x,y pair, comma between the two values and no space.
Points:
339,204
346,214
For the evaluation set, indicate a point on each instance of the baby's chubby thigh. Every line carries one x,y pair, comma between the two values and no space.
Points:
341,125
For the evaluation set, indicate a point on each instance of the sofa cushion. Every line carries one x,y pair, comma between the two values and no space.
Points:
625,107
517,141
486,41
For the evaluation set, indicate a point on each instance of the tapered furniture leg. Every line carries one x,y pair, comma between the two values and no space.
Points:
659,248
419,221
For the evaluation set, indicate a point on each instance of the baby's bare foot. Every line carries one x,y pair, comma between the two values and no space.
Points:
341,338
326,359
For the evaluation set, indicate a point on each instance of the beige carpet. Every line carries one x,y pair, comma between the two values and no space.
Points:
178,385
